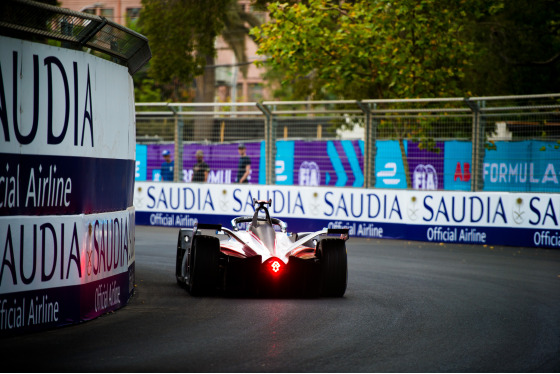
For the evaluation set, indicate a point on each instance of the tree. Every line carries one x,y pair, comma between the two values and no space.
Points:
237,26
181,35
520,49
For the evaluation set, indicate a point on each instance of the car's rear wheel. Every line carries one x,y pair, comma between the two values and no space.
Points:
203,269
334,267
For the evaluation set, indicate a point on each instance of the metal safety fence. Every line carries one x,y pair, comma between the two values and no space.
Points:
509,143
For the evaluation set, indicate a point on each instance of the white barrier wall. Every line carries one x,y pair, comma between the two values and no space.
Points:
493,218
67,151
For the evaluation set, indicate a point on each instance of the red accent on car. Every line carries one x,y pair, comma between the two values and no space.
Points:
274,265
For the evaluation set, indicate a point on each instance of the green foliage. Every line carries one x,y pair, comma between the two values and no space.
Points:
181,34
365,48
519,45
371,49
146,91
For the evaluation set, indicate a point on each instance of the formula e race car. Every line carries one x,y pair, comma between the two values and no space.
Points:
258,257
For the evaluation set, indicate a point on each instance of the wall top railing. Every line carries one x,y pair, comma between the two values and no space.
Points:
348,107
32,20
173,109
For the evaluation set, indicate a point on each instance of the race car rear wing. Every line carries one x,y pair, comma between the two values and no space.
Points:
218,227
275,221
343,231
208,226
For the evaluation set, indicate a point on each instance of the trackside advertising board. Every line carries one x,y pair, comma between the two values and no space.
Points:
67,163
528,166
515,219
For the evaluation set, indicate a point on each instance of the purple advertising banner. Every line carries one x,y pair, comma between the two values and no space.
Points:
310,164
340,163
426,167
315,163
328,163
222,159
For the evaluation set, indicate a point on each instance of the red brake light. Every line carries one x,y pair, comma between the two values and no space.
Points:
275,266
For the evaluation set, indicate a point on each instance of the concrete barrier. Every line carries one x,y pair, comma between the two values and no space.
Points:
67,159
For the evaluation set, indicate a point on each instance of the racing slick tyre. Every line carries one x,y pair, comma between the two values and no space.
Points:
334,267
203,270
183,243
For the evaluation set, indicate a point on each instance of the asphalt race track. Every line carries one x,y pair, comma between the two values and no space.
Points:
409,307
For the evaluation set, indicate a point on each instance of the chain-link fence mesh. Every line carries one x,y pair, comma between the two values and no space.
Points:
475,144
421,138
318,143
522,148
214,132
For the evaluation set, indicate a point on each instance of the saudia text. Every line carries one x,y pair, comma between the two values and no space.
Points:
83,112
47,253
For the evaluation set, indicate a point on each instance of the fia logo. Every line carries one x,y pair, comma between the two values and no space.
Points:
425,178
309,174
